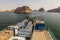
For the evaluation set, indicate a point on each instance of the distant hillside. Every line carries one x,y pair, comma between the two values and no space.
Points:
8,10
41,9
23,9
54,10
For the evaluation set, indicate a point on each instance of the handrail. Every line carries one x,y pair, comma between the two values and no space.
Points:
53,36
49,35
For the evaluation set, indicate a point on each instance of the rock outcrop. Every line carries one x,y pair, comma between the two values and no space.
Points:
41,9
54,10
23,9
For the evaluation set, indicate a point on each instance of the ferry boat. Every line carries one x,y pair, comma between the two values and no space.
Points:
30,31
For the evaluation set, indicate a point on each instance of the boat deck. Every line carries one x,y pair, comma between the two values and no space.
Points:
41,35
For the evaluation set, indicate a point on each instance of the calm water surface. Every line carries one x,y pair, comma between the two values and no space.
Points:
52,20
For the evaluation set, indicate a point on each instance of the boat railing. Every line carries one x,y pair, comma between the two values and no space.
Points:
49,35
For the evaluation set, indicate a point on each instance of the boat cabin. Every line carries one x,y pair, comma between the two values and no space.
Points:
39,25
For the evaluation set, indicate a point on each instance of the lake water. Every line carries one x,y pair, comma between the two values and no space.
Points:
52,20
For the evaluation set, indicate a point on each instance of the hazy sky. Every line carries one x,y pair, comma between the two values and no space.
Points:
34,4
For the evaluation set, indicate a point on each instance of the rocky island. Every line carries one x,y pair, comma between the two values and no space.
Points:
41,9
54,10
23,9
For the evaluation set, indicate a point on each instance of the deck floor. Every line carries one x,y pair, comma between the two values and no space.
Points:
41,35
